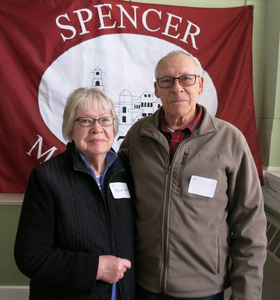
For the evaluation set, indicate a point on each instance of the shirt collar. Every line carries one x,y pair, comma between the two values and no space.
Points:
111,156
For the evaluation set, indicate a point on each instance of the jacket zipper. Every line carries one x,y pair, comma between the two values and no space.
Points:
165,233
108,219
112,245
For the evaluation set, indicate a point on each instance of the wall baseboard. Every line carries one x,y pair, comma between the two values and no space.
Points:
11,199
14,292
22,293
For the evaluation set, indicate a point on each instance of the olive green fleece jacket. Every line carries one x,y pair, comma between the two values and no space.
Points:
186,240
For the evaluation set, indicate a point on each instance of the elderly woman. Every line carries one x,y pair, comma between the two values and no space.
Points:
75,234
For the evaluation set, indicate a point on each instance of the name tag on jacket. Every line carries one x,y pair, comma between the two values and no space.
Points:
202,186
119,190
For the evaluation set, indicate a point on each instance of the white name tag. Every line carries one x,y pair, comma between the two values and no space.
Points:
119,190
202,186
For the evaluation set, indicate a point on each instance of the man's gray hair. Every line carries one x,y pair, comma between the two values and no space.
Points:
197,63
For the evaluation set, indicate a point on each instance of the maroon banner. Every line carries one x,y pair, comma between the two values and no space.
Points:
49,48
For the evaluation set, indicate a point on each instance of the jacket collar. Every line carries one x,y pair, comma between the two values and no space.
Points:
79,165
152,124
77,162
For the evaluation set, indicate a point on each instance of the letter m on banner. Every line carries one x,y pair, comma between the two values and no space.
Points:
39,142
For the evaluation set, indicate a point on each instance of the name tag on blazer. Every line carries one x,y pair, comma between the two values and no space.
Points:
202,186
119,190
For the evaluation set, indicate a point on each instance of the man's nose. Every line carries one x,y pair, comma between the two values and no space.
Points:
177,86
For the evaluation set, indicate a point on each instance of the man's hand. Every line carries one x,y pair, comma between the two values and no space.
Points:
111,268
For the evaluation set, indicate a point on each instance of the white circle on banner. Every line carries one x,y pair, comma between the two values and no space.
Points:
120,64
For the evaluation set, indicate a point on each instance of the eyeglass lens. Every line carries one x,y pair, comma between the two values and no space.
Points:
184,80
87,121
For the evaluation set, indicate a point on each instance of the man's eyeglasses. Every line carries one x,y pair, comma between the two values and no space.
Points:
88,122
184,80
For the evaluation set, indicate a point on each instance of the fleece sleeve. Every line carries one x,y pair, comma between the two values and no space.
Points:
247,222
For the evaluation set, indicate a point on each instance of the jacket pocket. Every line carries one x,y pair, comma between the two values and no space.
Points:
183,162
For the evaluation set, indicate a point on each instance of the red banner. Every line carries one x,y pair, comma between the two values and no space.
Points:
49,48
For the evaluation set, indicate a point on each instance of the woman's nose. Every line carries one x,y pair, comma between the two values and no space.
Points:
96,127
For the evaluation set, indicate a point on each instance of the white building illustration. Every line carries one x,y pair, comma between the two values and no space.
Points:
97,79
129,108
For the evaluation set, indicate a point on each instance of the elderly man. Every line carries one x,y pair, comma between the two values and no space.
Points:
200,217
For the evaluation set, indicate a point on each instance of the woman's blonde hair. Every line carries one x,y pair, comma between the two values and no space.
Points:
86,98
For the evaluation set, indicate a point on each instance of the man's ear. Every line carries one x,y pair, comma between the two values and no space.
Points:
156,89
200,85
